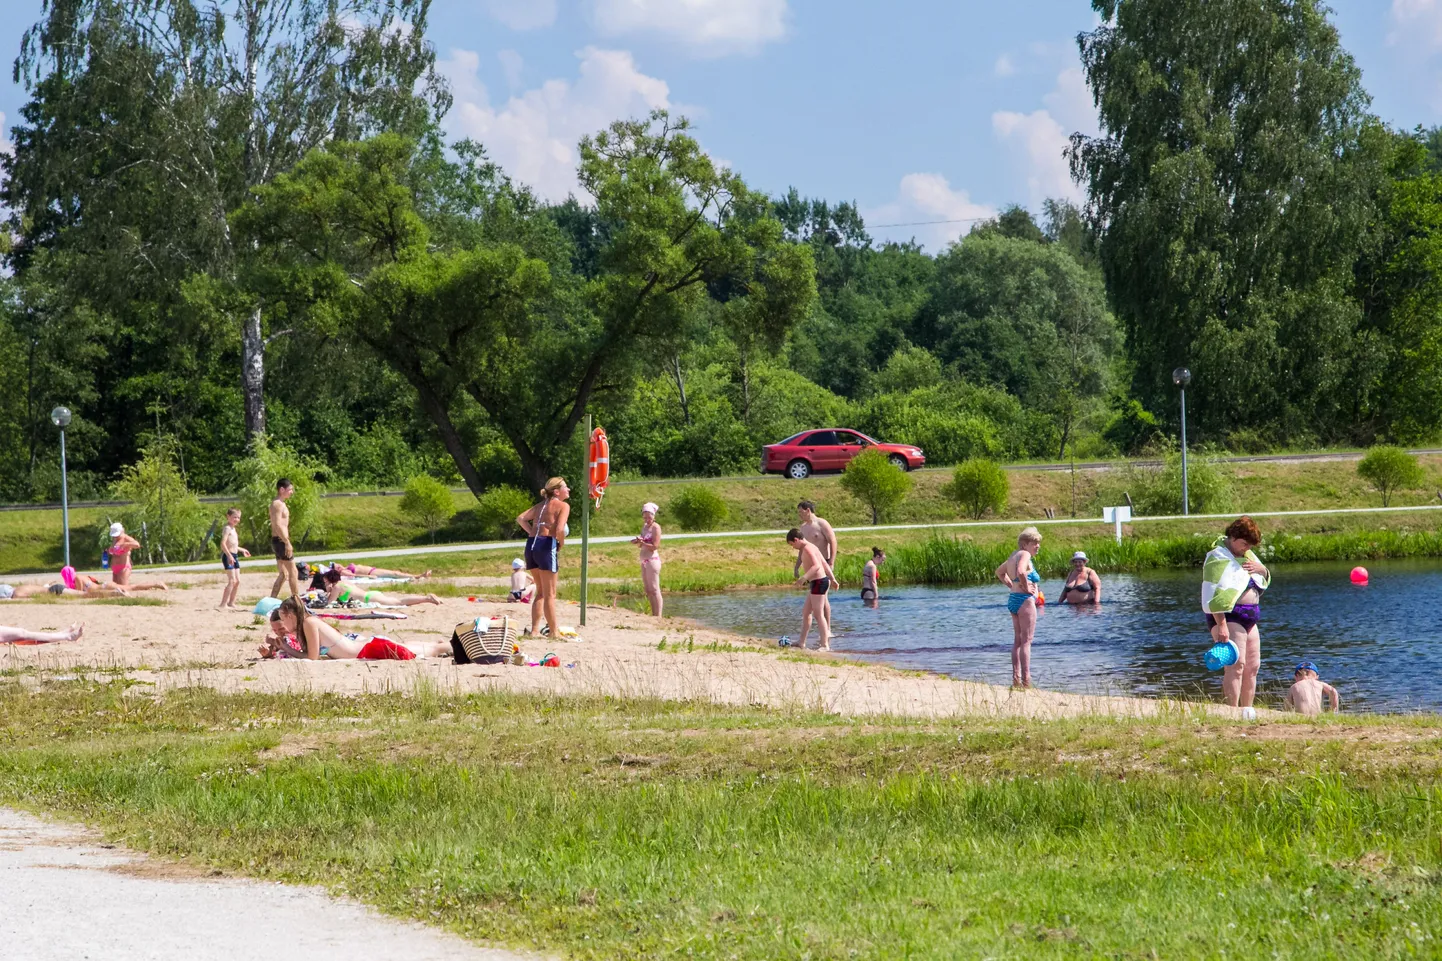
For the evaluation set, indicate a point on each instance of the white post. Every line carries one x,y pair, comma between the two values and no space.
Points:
1117,516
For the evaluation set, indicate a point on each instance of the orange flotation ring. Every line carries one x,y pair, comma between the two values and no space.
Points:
600,468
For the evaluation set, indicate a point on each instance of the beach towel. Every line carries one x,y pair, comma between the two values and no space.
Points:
366,616
1224,579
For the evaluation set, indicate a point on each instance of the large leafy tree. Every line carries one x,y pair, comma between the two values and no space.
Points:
1232,183
151,120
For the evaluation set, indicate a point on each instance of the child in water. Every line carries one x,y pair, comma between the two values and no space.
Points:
1021,578
1307,691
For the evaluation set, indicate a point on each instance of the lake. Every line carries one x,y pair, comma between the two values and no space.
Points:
1377,644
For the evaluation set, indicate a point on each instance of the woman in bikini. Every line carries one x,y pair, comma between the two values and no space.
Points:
337,591
1082,584
1021,578
365,570
545,527
338,646
1234,605
649,540
869,574
120,547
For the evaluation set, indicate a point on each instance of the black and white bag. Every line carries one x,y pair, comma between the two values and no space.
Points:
486,640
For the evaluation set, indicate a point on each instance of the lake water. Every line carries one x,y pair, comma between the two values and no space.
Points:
1378,644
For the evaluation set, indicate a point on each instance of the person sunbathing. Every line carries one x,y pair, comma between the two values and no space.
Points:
318,634
365,570
84,587
337,591
19,635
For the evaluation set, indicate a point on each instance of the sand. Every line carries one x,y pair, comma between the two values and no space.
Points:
184,641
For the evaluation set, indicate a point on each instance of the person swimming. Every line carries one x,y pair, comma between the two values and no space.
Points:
1082,586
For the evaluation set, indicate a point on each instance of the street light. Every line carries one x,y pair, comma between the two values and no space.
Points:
1182,377
60,417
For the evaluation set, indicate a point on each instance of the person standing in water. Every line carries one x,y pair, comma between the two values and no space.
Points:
545,527
819,533
1020,576
869,590
230,551
649,540
1082,586
1233,580
817,573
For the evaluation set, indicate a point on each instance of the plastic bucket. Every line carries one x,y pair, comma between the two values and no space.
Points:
1221,655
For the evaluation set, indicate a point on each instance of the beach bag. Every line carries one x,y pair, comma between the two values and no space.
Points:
486,640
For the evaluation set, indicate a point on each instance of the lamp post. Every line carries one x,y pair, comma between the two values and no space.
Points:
1182,377
60,417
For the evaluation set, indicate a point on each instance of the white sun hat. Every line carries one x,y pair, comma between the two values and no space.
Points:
117,529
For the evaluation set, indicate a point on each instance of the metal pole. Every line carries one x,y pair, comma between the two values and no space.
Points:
586,516
1186,501
64,498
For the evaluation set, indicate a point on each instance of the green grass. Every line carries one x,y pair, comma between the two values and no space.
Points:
601,829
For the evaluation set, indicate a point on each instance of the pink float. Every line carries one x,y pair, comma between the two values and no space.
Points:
1359,575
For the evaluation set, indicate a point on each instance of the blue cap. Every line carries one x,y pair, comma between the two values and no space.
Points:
1306,666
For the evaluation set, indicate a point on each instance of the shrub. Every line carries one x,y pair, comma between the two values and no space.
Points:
429,502
163,514
871,478
979,486
698,508
1157,490
1390,469
498,508
254,481
1132,428
378,458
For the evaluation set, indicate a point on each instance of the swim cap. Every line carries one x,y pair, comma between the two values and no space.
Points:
517,564
117,529
650,508
67,574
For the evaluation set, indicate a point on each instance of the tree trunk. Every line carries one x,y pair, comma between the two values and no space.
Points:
435,408
252,372
681,386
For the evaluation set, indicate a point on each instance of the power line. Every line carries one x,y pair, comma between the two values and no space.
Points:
927,223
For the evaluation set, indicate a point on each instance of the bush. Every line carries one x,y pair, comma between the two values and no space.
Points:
376,459
1157,491
163,515
871,478
254,482
979,486
1132,428
698,508
498,508
429,502
1390,469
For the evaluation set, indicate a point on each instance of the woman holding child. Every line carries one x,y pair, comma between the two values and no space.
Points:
1233,580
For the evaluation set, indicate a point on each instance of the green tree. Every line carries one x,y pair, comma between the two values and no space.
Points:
254,479
1390,469
165,115
498,508
698,508
163,513
429,502
872,479
1234,180
979,486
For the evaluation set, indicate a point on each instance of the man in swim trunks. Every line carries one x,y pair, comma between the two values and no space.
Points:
817,573
285,572
820,534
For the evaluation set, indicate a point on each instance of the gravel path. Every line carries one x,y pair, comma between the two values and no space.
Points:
69,897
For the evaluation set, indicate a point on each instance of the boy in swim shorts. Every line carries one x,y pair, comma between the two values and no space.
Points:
816,573
523,586
230,551
1307,691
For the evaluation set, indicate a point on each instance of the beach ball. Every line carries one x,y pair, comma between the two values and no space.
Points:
1359,575
265,605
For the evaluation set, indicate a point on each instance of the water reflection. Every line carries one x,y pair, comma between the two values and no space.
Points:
1377,644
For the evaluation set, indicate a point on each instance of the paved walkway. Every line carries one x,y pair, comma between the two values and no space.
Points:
68,898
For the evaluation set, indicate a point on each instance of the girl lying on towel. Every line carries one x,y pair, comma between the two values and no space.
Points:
318,635
337,591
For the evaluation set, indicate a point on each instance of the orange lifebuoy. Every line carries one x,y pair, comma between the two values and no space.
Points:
600,469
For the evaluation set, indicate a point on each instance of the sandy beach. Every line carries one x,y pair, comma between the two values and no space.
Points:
178,639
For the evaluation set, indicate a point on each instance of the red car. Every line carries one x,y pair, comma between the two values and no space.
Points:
831,449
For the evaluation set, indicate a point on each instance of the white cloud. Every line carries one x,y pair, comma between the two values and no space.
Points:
709,27
511,64
1004,66
1041,137
533,135
1417,23
921,199
523,14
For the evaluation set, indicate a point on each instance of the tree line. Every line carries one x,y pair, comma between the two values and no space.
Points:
242,224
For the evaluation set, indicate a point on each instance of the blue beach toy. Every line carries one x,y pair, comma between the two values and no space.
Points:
265,605
1221,655
785,641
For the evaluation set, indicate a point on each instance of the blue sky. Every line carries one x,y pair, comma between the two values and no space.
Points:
919,110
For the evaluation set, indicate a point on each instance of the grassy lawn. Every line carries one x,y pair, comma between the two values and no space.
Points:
602,829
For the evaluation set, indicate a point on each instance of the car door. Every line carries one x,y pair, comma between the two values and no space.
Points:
848,445
819,447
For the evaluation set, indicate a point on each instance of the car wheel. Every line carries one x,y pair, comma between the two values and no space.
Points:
899,462
798,470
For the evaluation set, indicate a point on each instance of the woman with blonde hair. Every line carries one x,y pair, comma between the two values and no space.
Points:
545,527
1020,576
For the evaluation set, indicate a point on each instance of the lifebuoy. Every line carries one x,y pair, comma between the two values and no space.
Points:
600,471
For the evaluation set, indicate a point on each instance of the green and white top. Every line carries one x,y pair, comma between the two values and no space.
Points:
1224,579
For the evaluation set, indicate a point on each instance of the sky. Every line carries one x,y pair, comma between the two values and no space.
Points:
917,110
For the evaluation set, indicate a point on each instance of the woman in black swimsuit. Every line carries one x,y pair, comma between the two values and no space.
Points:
1082,584
545,527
